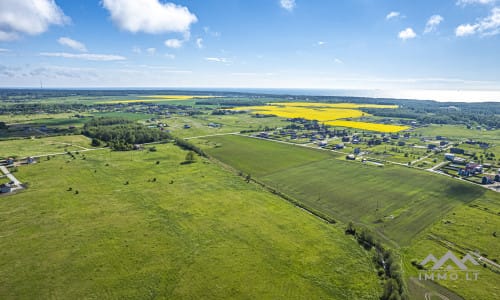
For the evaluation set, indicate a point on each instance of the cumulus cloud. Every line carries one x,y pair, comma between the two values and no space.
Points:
149,16
485,27
338,61
288,4
392,15
84,56
468,2
30,17
151,51
465,29
321,43
76,45
433,23
174,43
407,34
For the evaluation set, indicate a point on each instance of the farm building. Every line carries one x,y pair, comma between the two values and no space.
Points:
457,151
431,146
449,156
459,160
339,146
474,168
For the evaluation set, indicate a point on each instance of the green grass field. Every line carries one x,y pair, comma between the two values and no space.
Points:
399,202
41,146
413,205
138,230
230,123
260,157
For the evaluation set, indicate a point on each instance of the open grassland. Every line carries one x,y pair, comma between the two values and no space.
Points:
399,202
139,229
330,114
228,123
159,98
40,146
459,132
422,212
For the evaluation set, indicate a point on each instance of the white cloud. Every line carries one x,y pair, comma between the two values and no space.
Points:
486,27
136,50
392,15
465,29
217,59
4,50
338,61
169,56
288,4
150,16
433,23
468,2
151,51
174,43
84,56
321,43
76,45
199,43
30,17
407,34
208,31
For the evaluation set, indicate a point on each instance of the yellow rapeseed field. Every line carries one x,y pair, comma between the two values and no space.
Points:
368,126
335,105
328,113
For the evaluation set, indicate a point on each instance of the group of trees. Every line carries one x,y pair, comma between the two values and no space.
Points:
121,134
427,112
386,261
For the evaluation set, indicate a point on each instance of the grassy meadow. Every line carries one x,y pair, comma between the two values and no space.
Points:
380,197
419,212
139,225
45,145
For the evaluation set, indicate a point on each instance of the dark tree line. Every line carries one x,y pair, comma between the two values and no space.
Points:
386,262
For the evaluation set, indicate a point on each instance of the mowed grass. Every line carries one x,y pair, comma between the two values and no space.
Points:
397,201
195,232
259,157
41,146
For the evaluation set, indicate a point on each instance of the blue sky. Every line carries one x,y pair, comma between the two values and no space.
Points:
419,46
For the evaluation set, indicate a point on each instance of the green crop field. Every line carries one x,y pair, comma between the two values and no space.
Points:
260,157
383,198
136,225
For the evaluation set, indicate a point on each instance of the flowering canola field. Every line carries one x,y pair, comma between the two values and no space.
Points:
328,113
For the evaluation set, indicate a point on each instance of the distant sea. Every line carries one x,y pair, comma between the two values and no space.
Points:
437,95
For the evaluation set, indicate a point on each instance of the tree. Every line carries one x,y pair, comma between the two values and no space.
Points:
190,158
96,142
248,178
3,125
